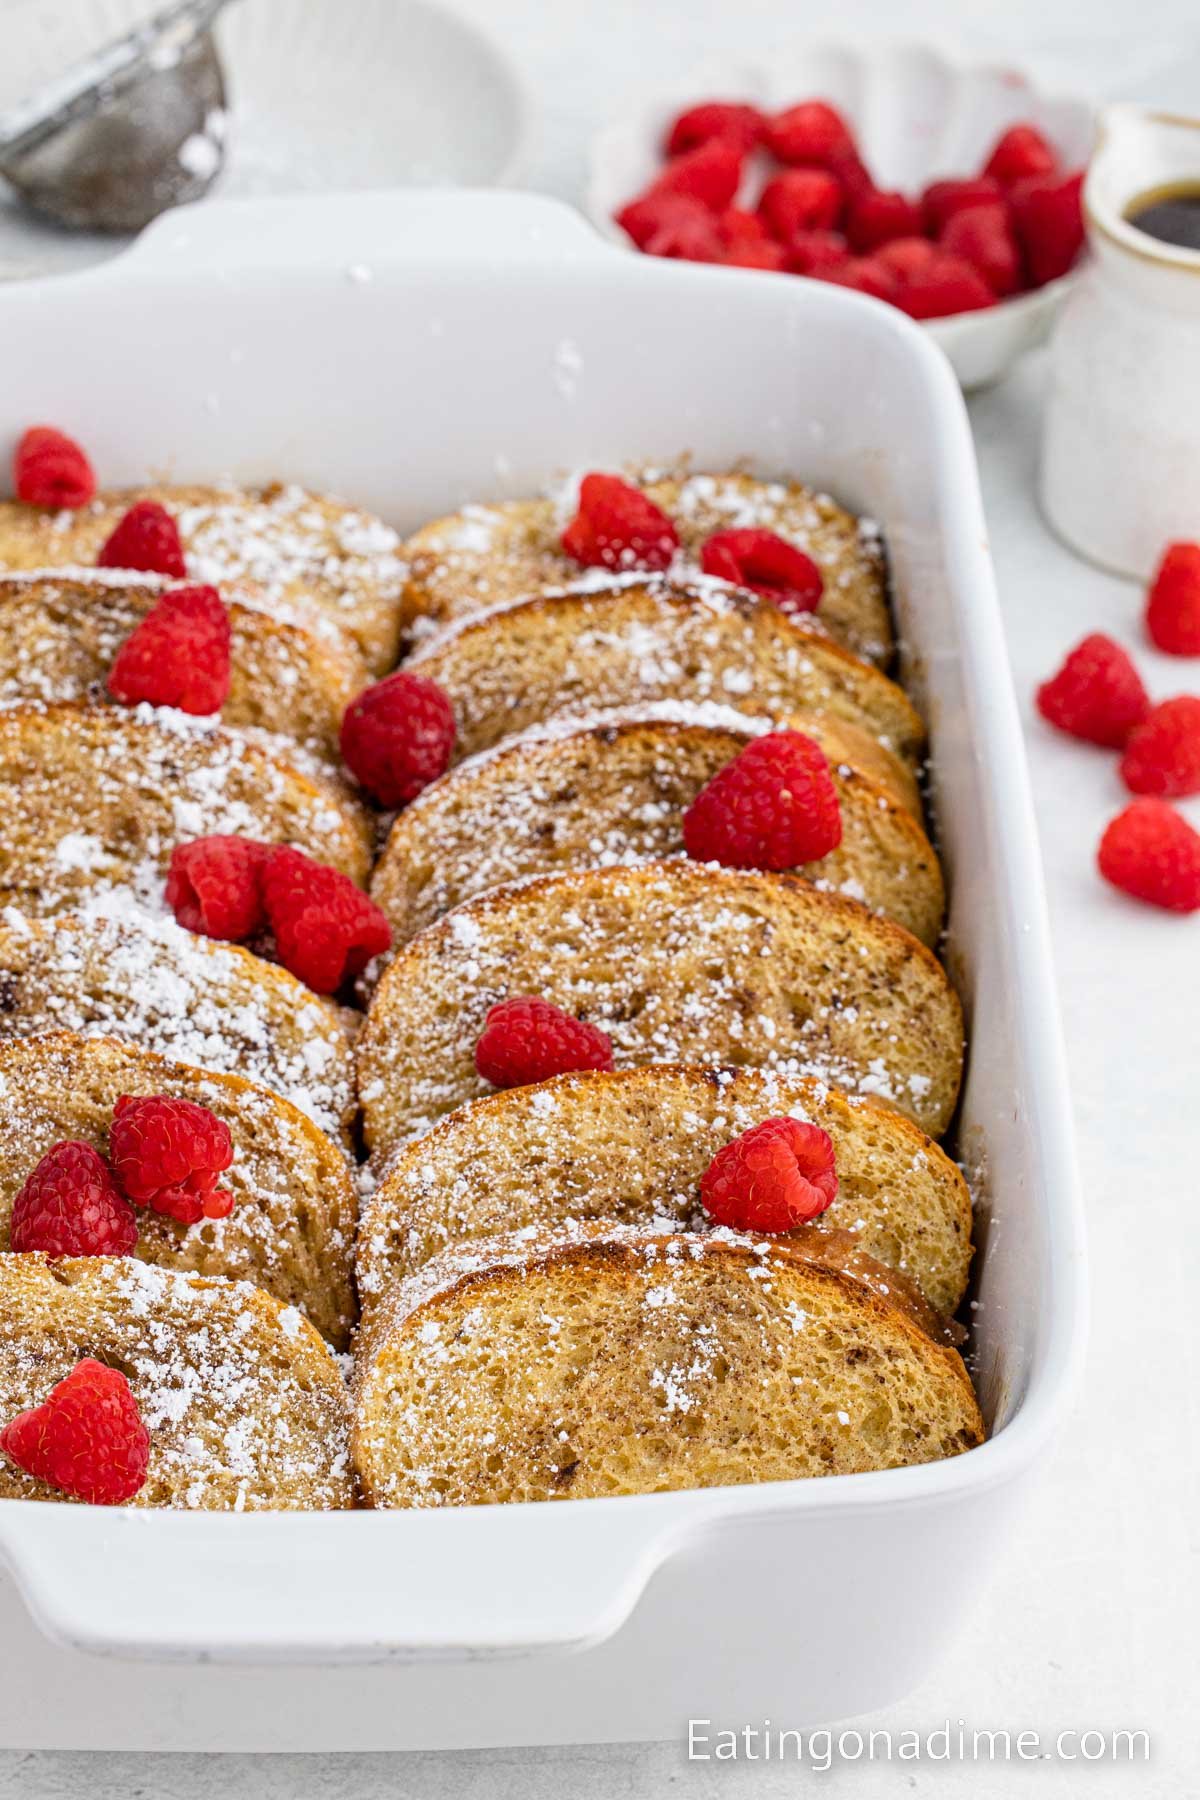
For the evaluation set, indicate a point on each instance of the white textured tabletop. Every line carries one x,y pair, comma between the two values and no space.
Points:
1088,1621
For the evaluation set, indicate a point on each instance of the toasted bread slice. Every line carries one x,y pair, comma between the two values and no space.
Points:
59,635
564,1367
677,962
244,1404
511,550
632,1145
650,640
614,790
97,797
304,552
292,1226
214,1006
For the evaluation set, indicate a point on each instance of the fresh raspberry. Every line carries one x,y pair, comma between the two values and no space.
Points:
1018,154
326,929
818,253
773,807
768,564
942,199
813,134
877,218
946,285
71,1206
526,1039
651,215
776,1176
1163,752
86,1439
617,527
214,887
167,1155
1173,603
178,656
746,255
397,737
689,240
745,242
1151,852
711,174
866,275
147,539
1048,220
908,258
983,236
1096,695
801,200
739,124
51,470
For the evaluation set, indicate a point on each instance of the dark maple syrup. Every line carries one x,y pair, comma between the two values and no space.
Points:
1170,214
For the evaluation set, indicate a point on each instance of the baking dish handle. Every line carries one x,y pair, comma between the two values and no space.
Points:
358,236
330,1588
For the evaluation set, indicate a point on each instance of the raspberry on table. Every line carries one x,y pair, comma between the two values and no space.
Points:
86,1439
214,887
775,1176
1096,695
1163,753
145,538
397,737
179,655
326,929
767,563
774,807
527,1039
1151,852
1018,154
167,1154
618,527
51,470
70,1205
732,120
812,133
1173,603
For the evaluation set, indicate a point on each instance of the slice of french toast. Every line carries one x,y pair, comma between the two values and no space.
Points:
304,552
291,1230
632,1145
243,1401
638,640
575,1366
97,798
511,549
614,789
215,1006
60,633
677,962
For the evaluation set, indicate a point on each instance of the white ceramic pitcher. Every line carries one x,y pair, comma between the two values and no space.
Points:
1120,473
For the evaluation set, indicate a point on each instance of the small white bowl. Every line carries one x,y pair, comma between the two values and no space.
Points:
919,114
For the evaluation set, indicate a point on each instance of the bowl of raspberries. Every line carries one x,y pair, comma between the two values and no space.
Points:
949,190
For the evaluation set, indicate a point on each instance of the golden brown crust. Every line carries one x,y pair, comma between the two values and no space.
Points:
511,549
652,640
311,557
244,1404
632,1145
625,1362
677,962
291,1230
59,635
616,791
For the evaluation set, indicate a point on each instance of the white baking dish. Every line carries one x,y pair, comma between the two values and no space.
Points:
415,353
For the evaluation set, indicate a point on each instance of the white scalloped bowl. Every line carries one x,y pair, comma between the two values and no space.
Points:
918,113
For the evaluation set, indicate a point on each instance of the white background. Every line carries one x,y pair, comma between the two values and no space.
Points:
1090,1618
